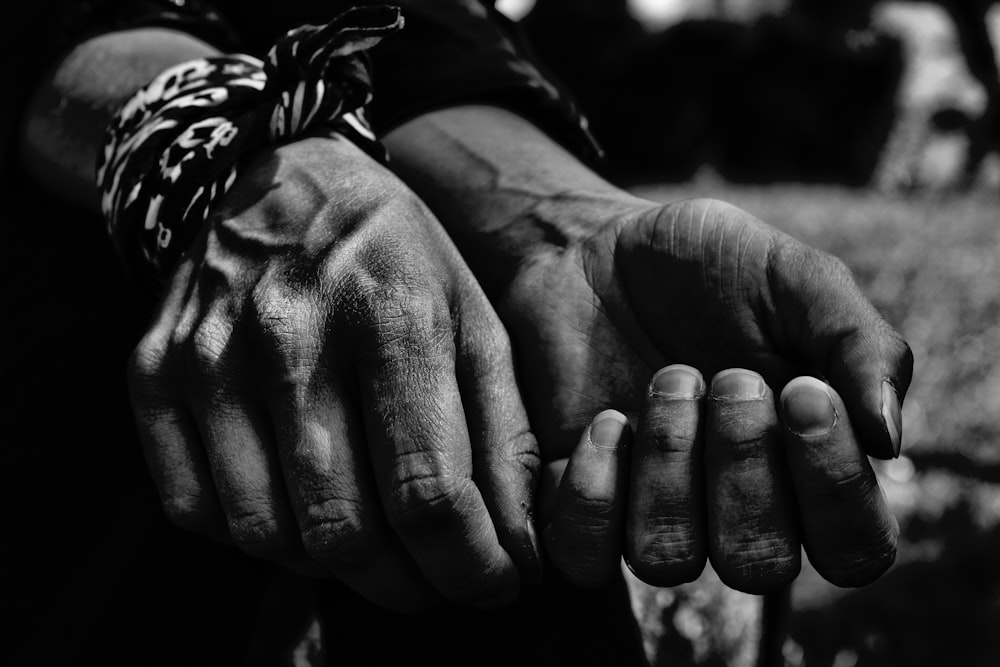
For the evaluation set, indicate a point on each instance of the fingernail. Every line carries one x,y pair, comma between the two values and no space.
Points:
892,416
607,429
677,381
738,383
808,407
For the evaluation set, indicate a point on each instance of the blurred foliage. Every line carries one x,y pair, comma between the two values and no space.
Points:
931,263
808,93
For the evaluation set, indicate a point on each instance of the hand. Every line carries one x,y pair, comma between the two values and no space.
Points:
326,386
705,284
715,473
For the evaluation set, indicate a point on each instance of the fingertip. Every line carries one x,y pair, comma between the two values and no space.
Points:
738,384
808,407
872,371
609,414
806,381
760,576
677,381
857,569
863,561
609,429
849,531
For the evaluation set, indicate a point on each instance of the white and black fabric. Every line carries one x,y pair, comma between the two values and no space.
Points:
174,149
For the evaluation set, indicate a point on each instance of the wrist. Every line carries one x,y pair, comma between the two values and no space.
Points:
550,225
67,114
506,192
174,149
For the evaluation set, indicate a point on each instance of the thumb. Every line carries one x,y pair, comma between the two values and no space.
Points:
842,335
871,368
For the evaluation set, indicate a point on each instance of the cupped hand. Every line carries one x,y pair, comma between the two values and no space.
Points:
705,284
721,474
325,385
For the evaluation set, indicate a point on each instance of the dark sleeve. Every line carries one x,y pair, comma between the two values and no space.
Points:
450,52
35,34
466,52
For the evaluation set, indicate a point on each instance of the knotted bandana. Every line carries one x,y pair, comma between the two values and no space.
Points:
175,147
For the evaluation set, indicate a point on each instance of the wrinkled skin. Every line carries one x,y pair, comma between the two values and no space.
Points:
721,473
326,386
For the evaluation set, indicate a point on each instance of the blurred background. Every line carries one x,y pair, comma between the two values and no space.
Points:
867,129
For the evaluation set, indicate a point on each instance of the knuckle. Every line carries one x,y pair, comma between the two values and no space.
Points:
493,353
592,508
758,564
667,556
289,328
669,434
858,566
147,375
583,550
405,314
335,534
207,346
514,453
427,502
258,533
145,369
842,485
523,456
195,513
187,512
274,306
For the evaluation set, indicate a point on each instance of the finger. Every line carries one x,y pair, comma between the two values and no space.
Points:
322,448
584,538
848,530
173,449
240,448
665,541
842,334
505,453
872,368
752,540
325,462
421,453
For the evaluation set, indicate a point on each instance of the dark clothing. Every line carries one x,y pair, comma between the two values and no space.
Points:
93,572
450,52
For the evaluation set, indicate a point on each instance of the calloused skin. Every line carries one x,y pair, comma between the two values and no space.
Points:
274,391
275,394
601,289
676,491
704,282
326,386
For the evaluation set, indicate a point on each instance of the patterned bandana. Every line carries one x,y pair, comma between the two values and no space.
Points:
173,149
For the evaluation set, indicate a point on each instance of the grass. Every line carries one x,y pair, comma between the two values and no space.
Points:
931,263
